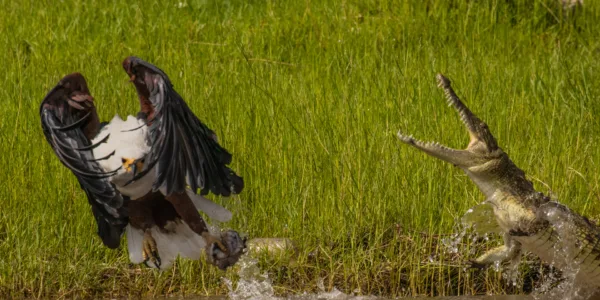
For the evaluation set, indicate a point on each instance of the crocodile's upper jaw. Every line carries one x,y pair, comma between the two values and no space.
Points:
482,155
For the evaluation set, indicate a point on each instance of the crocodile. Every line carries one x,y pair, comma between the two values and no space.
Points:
528,220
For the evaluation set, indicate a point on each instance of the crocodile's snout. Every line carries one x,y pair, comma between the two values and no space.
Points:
482,145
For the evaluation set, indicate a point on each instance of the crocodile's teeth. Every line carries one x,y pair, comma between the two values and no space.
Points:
405,138
463,117
409,139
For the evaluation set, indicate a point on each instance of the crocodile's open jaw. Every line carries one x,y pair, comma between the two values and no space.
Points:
482,148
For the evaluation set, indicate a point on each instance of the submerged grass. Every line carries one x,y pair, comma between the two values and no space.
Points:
308,96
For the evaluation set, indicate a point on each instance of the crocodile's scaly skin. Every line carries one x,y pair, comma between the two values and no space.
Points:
529,220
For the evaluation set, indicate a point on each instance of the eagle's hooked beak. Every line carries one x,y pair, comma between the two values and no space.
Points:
130,164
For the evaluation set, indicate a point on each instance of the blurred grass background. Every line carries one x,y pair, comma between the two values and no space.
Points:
308,96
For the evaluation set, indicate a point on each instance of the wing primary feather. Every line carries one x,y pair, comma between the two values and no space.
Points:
76,124
68,128
134,129
183,151
92,146
105,158
98,174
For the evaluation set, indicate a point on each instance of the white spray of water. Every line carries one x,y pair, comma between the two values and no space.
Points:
567,286
479,222
253,284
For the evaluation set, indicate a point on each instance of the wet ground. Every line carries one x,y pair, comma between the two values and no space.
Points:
506,297
256,285
335,296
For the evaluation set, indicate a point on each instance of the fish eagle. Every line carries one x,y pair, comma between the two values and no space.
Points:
147,174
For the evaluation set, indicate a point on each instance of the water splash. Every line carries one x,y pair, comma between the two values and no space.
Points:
567,282
253,284
479,223
481,220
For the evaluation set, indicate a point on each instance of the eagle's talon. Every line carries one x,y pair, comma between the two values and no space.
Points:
149,250
235,249
211,239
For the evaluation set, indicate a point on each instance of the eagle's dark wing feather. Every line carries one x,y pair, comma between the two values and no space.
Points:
69,121
183,149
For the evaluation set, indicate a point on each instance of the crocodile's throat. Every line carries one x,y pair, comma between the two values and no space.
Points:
502,176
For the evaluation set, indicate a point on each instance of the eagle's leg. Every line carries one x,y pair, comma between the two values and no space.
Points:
140,217
149,249
189,214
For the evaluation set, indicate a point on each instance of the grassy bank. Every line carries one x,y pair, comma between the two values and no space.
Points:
308,96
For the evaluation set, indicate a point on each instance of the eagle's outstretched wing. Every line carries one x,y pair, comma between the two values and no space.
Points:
183,149
69,122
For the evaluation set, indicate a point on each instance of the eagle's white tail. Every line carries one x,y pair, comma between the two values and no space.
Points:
179,239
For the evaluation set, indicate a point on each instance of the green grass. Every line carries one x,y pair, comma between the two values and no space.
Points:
308,96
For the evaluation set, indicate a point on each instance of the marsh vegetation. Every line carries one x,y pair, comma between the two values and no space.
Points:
308,96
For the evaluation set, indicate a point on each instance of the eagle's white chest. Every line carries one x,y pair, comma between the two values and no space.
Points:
128,141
